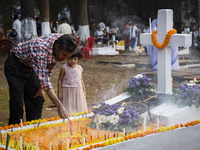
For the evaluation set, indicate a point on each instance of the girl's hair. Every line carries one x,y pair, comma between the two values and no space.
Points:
78,54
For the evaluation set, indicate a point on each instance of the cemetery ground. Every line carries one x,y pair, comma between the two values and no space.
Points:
103,80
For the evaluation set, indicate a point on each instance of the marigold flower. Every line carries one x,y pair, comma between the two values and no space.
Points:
1,128
102,145
16,125
5,127
126,137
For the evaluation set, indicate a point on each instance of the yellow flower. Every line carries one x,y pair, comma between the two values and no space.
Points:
171,127
106,143
117,140
122,139
110,142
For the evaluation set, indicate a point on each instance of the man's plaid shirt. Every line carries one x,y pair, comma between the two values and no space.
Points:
39,52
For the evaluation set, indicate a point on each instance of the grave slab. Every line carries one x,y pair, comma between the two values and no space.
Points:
170,114
104,51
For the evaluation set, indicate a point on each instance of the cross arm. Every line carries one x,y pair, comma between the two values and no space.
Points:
181,40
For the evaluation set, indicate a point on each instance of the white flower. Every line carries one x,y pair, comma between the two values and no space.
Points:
95,107
101,119
96,118
120,110
138,76
114,119
190,84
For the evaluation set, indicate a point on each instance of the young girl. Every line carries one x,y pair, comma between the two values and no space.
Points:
73,94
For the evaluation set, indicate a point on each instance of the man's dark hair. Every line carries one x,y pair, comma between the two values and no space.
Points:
78,54
64,19
37,18
15,16
67,42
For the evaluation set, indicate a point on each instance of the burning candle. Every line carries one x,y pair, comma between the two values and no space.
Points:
71,126
144,122
67,144
157,122
20,143
36,145
124,131
150,25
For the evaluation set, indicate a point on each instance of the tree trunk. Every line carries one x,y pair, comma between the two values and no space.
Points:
83,20
199,13
28,20
45,17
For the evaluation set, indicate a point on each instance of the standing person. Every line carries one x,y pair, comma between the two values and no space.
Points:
17,27
38,26
73,93
102,25
133,36
28,71
126,34
92,29
72,28
153,52
64,28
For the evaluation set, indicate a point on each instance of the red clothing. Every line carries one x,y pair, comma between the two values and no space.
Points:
39,52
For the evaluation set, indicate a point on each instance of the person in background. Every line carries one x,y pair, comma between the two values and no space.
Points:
133,36
111,34
64,28
100,34
71,88
38,26
28,70
102,25
53,26
92,29
119,36
115,29
17,27
139,33
72,28
126,34
105,37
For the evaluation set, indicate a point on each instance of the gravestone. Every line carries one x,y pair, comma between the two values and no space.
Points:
165,22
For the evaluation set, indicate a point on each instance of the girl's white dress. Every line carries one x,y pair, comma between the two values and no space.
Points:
73,97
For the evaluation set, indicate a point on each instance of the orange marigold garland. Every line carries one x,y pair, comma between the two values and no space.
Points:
166,41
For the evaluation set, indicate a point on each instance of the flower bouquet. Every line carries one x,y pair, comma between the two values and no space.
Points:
187,95
139,84
115,117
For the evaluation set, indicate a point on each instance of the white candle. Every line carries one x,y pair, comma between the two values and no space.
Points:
150,25
157,122
50,147
20,143
83,141
67,144
36,145
21,123
144,122
6,136
124,131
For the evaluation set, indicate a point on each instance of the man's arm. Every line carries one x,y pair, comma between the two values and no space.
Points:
61,109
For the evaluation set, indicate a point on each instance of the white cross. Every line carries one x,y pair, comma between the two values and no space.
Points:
165,23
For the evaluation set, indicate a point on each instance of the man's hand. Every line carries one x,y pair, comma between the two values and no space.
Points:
62,112
59,96
40,93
